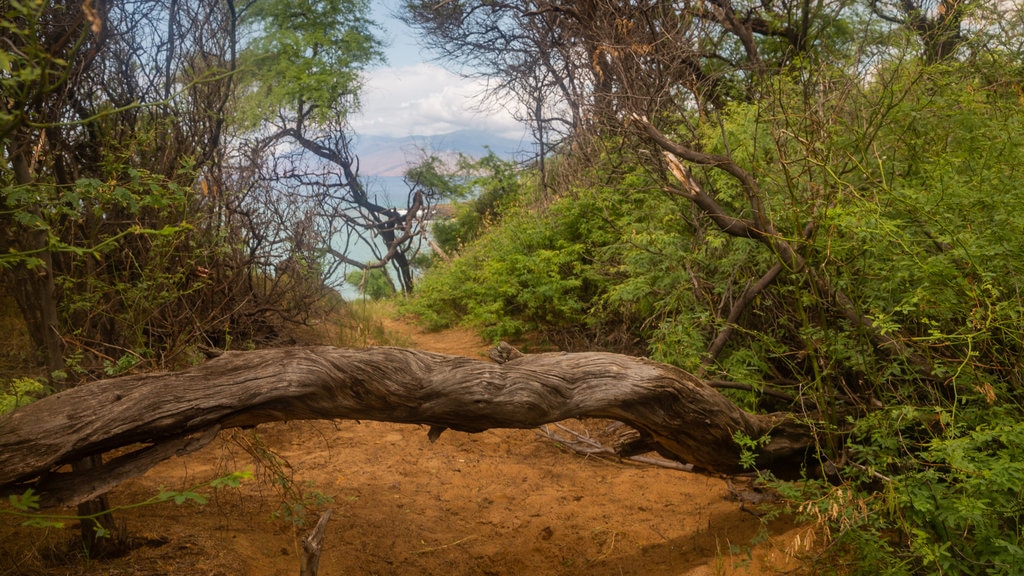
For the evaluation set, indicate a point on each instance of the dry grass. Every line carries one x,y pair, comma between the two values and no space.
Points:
362,323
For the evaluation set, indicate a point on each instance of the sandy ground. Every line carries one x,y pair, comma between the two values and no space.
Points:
501,502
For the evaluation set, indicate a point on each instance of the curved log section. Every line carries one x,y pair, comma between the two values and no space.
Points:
150,417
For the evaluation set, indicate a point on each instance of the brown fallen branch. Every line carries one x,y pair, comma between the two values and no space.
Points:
149,417
313,546
587,446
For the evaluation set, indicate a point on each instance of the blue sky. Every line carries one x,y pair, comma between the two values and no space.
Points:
412,96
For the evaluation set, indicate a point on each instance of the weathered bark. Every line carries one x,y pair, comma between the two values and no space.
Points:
150,417
313,546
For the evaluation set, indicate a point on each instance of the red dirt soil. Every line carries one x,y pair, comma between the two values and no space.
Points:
501,502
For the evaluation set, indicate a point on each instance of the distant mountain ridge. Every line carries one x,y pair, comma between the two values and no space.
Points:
391,156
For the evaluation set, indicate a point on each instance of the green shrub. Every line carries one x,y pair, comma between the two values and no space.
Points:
490,184
21,391
515,279
373,283
917,224
931,491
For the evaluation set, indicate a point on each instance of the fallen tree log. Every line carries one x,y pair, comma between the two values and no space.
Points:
149,417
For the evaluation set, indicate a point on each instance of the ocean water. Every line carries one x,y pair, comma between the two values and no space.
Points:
390,191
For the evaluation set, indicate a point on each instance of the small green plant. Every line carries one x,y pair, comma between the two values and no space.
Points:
294,509
27,504
19,392
122,365
749,448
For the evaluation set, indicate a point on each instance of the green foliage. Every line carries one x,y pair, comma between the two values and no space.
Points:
373,283
95,201
926,237
20,391
26,504
911,180
490,183
934,491
603,263
128,239
123,364
749,447
119,283
181,497
917,215
305,54
966,507
434,176
527,273
29,71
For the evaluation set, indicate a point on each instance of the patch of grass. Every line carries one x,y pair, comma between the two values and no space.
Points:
364,322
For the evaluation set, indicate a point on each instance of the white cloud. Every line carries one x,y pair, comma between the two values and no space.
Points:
424,99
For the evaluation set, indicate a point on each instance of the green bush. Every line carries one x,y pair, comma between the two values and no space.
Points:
516,278
21,391
554,265
918,223
932,491
373,283
489,183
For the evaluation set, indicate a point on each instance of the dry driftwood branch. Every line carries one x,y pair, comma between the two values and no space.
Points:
313,546
149,417
587,446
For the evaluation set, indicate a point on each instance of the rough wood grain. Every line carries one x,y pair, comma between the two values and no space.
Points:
313,546
153,416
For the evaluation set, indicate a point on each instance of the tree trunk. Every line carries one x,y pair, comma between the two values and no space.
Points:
151,417
36,296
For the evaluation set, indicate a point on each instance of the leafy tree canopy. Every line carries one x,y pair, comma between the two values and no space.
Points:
304,55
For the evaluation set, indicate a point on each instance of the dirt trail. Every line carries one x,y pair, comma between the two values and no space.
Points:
502,502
